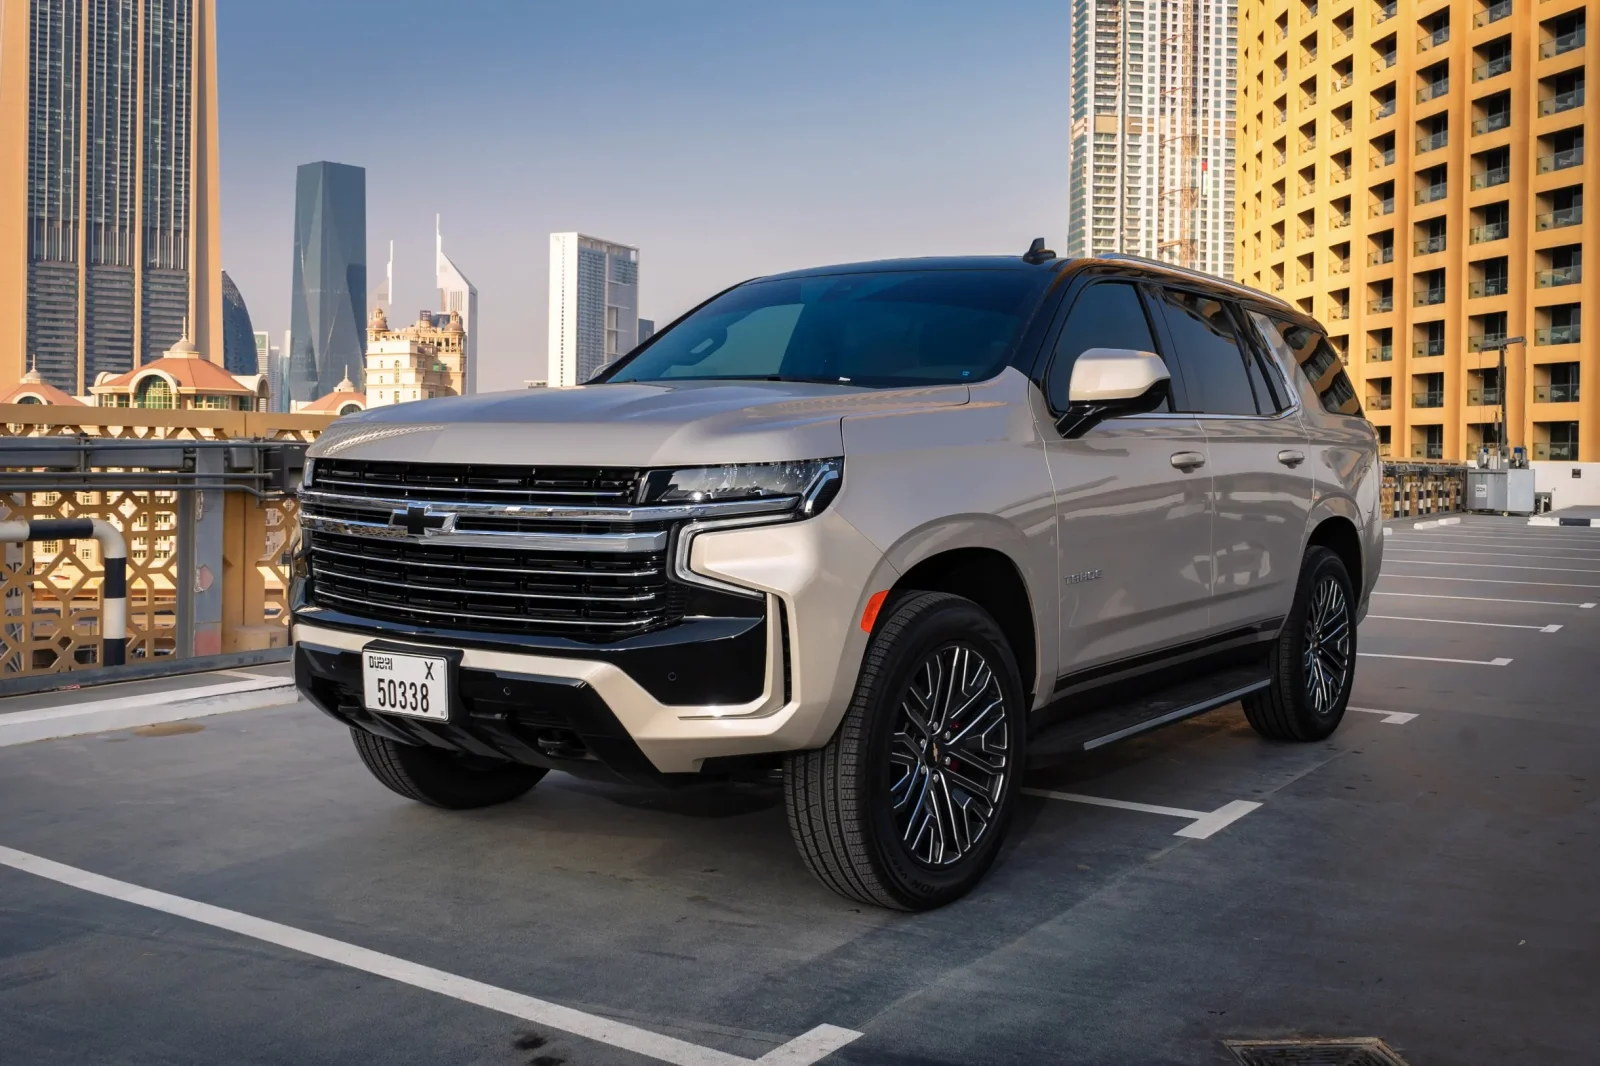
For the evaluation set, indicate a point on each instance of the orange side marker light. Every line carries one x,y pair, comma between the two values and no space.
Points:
874,605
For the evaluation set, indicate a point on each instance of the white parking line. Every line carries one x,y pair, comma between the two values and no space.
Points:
801,1051
1389,717
1203,823
1576,543
1387,552
1432,659
1459,622
1488,580
1482,599
1501,566
146,708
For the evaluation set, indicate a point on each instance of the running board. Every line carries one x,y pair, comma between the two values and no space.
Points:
1107,725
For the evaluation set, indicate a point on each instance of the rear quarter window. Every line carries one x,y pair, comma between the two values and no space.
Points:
1309,350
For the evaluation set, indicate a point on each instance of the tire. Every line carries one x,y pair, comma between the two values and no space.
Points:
441,778
853,804
1301,704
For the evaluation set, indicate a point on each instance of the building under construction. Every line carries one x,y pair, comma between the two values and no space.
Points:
1151,156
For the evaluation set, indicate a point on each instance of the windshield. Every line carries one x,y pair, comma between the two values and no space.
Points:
883,330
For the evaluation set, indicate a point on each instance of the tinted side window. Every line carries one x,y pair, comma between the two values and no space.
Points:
1108,314
1206,341
1311,352
1267,373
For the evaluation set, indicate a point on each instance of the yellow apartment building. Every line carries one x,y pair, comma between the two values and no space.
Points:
1413,173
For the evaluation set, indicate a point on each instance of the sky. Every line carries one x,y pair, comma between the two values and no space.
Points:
724,139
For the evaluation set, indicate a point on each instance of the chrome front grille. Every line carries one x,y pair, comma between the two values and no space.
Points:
557,551
478,483
593,595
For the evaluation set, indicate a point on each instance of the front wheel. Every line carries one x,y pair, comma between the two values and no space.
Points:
1314,659
907,805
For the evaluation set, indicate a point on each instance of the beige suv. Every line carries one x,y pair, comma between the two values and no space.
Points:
894,530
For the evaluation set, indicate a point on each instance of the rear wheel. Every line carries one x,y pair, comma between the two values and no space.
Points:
442,778
907,805
1314,659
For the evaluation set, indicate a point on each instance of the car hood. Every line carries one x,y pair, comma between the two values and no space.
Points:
625,424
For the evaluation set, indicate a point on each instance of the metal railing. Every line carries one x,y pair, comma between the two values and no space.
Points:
1381,305
1484,342
1497,120
1559,218
1488,287
1429,41
1431,142
1557,276
1433,90
1422,488
1563,450
1493,13
1383,110
1555,393
1562,160
1569,334
1487,397
1427,297
1434,346
202,499
1562,102
1491,177
1492,69
1430,245
1432,398
1430,193
1381,256
1427,450
1564,42
1381,402
1493,231
1380,353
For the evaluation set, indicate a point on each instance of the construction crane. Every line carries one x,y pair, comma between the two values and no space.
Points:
1181,123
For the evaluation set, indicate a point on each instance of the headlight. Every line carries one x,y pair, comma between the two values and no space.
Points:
810,482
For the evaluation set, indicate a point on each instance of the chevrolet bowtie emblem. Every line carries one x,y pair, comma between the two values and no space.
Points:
420,521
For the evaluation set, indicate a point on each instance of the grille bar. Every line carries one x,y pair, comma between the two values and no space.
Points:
646,572
595,596
473,482
389,610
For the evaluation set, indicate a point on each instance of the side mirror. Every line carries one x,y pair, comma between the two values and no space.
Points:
1111,382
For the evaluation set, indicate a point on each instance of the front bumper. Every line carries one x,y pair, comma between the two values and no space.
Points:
597,715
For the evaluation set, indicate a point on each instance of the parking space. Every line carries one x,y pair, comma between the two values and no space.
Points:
242,891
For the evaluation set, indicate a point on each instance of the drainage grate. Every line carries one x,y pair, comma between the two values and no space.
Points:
1355,1051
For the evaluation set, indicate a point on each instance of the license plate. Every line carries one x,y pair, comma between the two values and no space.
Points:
414,685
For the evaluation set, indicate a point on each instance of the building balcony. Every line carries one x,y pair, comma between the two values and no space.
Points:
1380,257
1492,177
1560,218
1567,275
1339,314
1428,399
1429,41
1433,90
1383,159
1568,334
1562,160
1562,102
1383,207
1492,69
1555,394
1277,243
1339,222
1432,142
1478,290
1380,353
1341,82
1494,231
1381,305
1428,450
1385,13
1340,266
1560,450
1566,42
1383,63
1428,348
1430,245
1486,342
1493,13
1483,397
1385,449
1430,193
1383,110
1381,402
1490,123
1428,297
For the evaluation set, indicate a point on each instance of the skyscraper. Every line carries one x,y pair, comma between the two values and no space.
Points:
647,329
329,295
457,294
110,229
1150,159
238,335
594,305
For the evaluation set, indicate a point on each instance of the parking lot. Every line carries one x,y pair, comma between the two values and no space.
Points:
236,888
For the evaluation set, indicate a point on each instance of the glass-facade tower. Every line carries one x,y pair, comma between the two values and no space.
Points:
329,289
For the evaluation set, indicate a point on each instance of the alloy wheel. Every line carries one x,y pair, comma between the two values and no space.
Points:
950,758
1327,645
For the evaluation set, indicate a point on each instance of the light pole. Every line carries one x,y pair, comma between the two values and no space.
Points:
1504,445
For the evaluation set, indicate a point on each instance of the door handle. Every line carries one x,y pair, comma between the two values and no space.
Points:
1291,458
1187,461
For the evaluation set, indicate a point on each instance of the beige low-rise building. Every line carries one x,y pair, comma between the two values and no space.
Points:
422,361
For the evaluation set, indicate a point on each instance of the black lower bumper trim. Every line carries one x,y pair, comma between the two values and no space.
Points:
555,722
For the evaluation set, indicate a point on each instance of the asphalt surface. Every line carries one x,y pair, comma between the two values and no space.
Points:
1429,880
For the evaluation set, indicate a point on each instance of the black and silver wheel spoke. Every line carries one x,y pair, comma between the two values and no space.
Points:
1326,659
950,757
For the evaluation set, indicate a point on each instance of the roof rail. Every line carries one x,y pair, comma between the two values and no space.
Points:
1199,275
